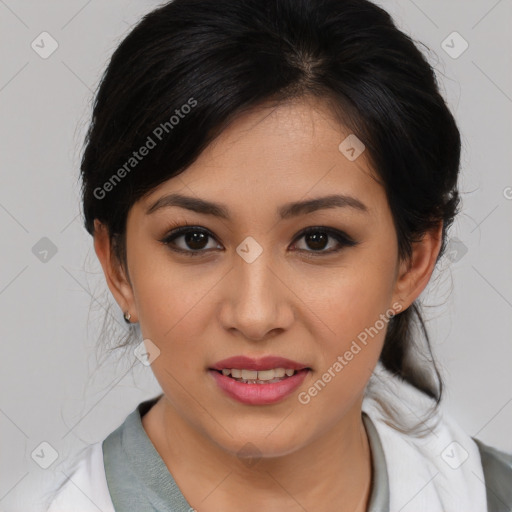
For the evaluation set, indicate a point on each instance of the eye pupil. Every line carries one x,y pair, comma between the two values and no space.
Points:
195,237
317,240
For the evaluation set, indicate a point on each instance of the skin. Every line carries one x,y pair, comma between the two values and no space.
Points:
199,310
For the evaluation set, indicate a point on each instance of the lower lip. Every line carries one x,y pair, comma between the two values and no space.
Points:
259,394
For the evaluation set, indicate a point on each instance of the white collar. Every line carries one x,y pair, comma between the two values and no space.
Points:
441,472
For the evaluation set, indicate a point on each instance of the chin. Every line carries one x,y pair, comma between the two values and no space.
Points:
266,442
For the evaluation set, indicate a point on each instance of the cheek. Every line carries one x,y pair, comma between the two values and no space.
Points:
355,312
171,302
355,305
356,298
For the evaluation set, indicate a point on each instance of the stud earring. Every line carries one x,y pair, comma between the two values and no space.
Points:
127,317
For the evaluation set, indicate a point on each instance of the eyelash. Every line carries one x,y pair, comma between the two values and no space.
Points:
182,229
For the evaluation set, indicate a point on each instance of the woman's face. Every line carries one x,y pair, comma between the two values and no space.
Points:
250,283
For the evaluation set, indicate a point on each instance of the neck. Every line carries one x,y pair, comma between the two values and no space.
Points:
332,472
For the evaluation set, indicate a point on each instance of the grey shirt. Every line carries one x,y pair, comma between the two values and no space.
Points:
138,479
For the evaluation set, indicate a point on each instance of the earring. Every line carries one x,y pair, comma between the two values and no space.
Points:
127,317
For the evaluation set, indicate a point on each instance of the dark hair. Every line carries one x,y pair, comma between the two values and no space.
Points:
191,67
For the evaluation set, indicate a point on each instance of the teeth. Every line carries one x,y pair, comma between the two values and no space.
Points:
249,374
266,375
262,375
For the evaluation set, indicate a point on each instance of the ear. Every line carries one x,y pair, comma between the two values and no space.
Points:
115,274
414,275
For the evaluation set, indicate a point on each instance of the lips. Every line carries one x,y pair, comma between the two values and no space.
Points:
258,394
264,363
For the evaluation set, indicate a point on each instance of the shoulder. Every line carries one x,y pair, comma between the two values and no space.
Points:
497,468
85,486
440,457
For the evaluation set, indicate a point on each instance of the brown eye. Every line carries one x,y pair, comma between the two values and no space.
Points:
195,240
317,239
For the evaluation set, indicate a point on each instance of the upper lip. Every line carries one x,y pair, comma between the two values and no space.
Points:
264,363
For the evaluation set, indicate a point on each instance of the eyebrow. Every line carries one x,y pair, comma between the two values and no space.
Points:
286,211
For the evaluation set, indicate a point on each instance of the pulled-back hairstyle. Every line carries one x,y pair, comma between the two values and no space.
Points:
190,67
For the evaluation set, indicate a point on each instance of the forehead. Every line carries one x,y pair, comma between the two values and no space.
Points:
278,154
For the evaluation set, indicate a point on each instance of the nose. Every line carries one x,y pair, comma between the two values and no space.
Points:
258,302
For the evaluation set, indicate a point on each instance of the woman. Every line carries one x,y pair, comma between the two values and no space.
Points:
269,185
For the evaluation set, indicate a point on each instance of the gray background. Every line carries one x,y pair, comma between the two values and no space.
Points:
56,387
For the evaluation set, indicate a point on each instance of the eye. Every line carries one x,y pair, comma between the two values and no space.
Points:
317,239
194,240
